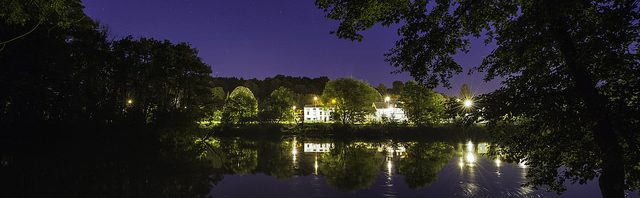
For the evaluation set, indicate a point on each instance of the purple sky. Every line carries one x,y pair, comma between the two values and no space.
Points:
258,39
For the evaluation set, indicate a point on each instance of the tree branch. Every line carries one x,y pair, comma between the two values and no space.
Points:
23,35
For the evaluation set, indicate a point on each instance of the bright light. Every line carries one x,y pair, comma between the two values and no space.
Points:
315,165
470,146
467,103
315,98
498,162
387,99
523,164
294,150
471,158
129,101
333,101
294,107
389,167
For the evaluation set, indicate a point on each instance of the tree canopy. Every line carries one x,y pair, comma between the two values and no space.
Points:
421,105
279,106
241,107
570,67
354,99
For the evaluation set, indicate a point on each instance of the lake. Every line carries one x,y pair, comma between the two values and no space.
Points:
270,167
298,167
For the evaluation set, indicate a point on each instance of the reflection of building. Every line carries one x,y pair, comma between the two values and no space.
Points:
390,111
317,147
314,113
483,148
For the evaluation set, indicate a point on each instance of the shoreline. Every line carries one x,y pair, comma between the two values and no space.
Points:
364,132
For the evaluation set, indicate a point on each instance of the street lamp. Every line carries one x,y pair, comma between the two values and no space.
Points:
333,101
129,101
315,98
387,99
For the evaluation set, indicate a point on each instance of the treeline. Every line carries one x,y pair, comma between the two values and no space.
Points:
64,69
262,88
75,74
351,100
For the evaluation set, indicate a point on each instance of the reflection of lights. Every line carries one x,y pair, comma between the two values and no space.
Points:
522,164
461,163
469,146
498,162
315,165
483,148
389,166
294,150
471,158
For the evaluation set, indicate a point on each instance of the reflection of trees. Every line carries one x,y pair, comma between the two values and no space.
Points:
423,162
350,167
105,169
238,157
275,159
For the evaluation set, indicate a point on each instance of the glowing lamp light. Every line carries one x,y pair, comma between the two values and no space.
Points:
467,103
129,101
387,99
315,98
333,101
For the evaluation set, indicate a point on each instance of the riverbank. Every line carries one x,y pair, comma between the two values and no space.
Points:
379,131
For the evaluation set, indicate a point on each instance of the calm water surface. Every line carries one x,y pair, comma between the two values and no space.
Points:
278,167
295,167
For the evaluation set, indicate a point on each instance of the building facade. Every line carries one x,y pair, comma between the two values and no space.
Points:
390,111
314,113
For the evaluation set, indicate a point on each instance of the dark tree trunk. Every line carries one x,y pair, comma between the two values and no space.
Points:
612,177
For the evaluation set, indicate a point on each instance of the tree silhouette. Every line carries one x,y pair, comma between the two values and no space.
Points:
423,162
569,67
422,105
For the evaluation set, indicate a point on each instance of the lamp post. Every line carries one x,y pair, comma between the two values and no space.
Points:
467,104
315,99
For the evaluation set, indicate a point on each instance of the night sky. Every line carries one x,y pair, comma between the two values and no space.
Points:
258,39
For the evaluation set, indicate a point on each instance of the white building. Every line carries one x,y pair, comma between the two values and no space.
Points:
317,147
314,113
389,111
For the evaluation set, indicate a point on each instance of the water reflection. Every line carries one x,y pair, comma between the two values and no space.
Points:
353,166
286,167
